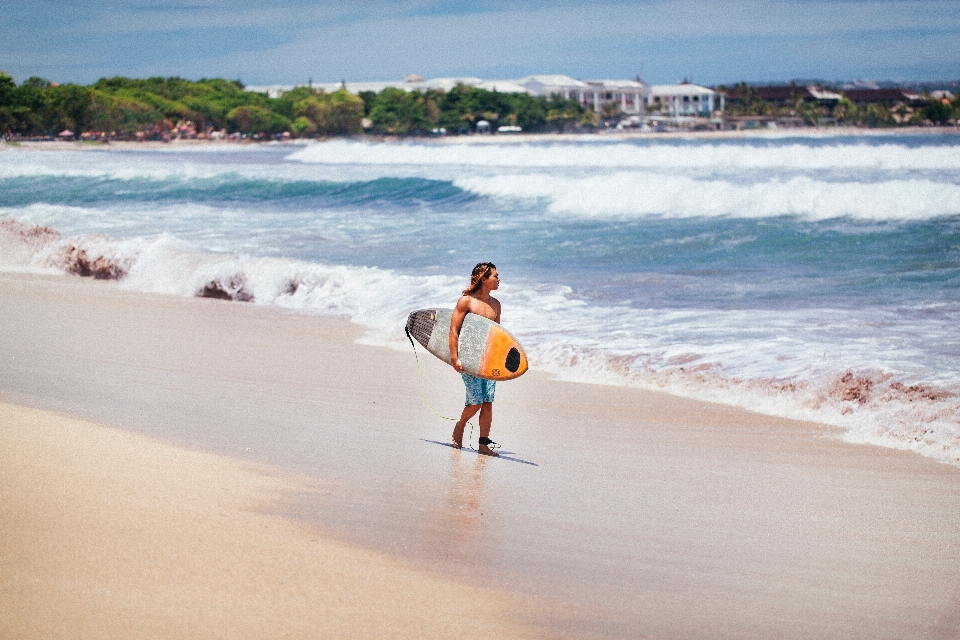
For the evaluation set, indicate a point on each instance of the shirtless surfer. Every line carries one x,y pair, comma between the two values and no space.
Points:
476,299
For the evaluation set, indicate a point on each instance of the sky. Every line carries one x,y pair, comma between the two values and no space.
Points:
663,41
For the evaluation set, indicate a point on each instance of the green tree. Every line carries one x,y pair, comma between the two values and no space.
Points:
530,112
846,111
254,119
303,127
937,112
610,110
564,114
337,113
744,101
589,119
29,105
809,111
7,89
877,115
123,115
345,114
68,107
368,97
400,112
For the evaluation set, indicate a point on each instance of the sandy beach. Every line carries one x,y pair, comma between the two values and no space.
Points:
108,534
525,138
197,468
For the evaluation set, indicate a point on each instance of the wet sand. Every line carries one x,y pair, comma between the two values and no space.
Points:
619,513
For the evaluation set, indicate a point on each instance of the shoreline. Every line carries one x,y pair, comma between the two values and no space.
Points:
635,503
839,132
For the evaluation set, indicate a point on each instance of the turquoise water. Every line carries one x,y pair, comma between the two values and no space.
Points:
779,274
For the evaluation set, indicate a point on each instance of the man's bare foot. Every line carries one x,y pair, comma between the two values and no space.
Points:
458,436
487,451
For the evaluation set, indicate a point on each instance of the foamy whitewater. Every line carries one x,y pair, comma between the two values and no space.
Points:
806,277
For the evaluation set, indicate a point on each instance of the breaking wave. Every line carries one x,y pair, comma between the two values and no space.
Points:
720,156
809,180
648,194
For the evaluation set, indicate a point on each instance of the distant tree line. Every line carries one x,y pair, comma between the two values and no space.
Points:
395,111
156,108
160,108
743,100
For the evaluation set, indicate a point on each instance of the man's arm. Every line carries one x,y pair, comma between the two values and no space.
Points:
456,322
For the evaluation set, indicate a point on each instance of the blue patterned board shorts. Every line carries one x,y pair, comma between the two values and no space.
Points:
478,389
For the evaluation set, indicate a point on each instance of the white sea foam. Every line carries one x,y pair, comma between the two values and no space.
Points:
665,157
661,156
643,194
810,364
156,167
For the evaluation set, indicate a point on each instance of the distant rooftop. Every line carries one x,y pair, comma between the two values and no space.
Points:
683,89
555,80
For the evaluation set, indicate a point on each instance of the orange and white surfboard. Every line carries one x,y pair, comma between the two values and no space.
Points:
486,349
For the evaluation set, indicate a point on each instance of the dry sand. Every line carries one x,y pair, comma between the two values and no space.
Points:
108,534
623,513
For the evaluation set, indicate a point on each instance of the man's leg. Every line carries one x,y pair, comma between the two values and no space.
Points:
468,412
486,420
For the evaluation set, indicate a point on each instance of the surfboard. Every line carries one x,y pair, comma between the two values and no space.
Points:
486,349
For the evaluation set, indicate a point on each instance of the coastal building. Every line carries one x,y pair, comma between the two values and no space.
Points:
886,97
594,94
554,85
629,95
783,95
684,99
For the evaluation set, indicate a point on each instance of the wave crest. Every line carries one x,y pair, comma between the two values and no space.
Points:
606,154
651,194
228,187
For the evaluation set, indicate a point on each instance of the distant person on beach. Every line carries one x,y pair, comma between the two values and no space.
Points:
476,299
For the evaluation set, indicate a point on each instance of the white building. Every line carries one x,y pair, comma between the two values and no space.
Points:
553,85
628,94
683,99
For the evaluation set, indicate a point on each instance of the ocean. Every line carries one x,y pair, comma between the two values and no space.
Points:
814,277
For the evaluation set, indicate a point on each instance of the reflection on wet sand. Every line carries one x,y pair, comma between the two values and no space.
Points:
460,516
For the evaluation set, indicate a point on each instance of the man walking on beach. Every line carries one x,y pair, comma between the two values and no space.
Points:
476,299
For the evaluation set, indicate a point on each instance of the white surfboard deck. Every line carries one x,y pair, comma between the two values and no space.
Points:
486,349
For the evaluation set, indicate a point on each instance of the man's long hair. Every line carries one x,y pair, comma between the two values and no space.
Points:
480,273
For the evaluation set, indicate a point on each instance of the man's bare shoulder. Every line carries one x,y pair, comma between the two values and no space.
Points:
495,305
486,308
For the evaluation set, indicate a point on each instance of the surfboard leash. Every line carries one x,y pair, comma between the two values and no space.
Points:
424,395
